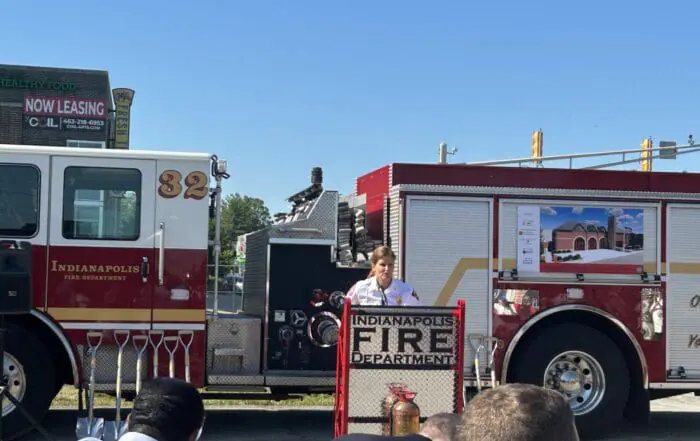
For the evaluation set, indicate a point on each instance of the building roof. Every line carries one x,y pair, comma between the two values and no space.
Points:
581,226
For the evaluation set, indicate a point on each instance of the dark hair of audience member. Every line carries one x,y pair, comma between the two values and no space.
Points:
167,409
518,412
441,426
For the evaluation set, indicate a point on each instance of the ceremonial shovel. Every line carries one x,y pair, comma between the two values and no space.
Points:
156,346
139,359
90,426
477,349
186,344
115,429
171,352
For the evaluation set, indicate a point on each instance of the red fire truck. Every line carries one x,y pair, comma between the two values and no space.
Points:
581,280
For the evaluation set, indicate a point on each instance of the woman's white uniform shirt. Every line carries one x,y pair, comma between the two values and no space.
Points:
369,293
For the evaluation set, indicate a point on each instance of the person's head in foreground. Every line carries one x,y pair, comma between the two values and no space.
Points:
518,412
439,427
166,409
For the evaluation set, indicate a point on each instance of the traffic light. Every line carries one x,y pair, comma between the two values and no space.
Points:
537,140
646,154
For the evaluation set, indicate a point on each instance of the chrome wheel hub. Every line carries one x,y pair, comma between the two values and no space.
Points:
579,377
16,380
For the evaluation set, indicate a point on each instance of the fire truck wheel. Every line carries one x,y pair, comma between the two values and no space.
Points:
586,366
30,376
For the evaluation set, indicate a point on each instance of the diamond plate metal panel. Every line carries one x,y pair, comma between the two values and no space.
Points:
305,379
255,275
317,221
235,380
233,345
447,245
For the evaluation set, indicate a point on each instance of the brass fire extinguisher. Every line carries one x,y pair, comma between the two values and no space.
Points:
388,403
405,414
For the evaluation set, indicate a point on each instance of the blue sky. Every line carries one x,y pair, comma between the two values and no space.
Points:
553,217
278,87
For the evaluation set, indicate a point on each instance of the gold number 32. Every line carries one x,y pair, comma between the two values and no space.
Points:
196,183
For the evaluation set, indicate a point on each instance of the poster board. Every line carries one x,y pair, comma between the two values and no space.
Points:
580,239
419,347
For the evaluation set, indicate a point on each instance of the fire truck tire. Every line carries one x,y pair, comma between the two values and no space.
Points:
30,379
597,379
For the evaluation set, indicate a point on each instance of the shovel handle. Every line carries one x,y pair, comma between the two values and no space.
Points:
91,336
471,338
139,359
187,350
171,363
184,342
117,333
140,349
155,343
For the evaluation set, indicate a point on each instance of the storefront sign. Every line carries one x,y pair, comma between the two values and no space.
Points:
14,83
67,124
123,98
65,106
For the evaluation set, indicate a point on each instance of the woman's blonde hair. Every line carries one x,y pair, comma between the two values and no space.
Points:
380,253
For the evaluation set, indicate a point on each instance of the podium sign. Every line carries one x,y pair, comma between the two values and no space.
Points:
380,349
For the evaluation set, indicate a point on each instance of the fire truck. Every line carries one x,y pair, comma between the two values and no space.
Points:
582,280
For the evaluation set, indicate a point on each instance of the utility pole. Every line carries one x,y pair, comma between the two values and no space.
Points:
443,152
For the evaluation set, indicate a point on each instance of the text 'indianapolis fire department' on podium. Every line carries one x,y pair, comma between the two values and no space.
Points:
397,366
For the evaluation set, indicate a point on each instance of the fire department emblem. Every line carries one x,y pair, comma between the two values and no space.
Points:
399,300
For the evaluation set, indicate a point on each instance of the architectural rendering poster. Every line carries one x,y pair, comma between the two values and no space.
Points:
581,239
528,238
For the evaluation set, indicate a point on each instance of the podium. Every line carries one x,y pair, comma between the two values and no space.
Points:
383,352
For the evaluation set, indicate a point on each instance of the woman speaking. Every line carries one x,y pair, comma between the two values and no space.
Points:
380,288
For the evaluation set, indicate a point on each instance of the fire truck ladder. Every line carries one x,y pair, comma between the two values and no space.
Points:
662,152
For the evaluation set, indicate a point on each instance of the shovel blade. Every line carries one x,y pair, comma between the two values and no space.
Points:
110,431
85,429
97,428
82,428
123,428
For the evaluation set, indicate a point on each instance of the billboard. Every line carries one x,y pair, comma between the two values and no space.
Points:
65,107
580,239
123,99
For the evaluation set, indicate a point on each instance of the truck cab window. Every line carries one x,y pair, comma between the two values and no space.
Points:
19,200
101,203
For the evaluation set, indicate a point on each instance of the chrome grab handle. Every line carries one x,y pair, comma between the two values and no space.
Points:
161,254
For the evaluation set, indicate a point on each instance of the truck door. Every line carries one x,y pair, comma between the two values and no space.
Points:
101,243
24,187
447,252
682,300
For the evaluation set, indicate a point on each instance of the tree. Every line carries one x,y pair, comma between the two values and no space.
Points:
239,215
